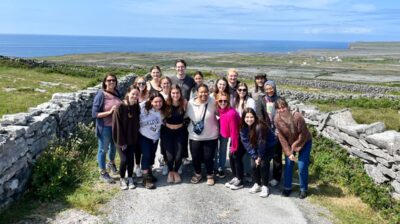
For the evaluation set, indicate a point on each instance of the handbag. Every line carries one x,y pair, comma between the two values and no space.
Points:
199,126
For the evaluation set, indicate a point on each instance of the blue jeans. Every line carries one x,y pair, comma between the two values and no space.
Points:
220,154
303,162
105,143
149,148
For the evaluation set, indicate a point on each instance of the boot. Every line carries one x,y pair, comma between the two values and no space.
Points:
153,178
147,181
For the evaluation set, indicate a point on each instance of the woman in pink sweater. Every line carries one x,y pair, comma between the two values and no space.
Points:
229,121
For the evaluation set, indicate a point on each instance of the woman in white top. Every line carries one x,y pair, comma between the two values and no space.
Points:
151,119
244,100
202,141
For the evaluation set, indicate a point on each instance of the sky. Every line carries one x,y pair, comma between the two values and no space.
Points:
313,20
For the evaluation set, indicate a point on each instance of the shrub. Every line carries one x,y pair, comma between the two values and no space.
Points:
331,164
62,165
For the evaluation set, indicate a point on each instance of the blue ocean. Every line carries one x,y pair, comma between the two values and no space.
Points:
28,46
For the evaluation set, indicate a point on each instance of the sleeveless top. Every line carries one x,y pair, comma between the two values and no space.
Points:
176,117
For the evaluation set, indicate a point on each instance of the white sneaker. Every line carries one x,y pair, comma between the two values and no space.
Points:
180,169
273,182
138,172
229,184
164,170
264,192
256,188
131,183
122,184
238,184
186,161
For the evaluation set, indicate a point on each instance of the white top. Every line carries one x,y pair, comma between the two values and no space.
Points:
150,123
250,103
195,113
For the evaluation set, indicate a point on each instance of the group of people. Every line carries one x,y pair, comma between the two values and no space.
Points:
181,113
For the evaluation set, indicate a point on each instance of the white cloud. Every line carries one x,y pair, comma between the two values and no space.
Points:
364,8
338,30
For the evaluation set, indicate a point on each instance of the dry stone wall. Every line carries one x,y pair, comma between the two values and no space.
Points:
24,136
378,148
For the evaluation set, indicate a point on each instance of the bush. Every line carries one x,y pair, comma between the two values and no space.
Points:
331,164
63,164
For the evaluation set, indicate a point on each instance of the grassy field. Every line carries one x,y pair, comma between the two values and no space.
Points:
367,111
21,88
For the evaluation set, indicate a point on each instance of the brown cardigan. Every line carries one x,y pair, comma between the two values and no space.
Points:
292,142
124,129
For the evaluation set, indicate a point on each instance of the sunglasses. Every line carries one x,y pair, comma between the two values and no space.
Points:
111,80
222,101
242,90
141,83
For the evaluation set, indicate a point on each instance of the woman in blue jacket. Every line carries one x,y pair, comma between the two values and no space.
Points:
104,104
259,142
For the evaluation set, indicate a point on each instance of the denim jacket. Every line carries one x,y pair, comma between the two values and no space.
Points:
98,105
265,142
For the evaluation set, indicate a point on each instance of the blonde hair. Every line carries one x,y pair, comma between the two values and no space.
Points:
233,70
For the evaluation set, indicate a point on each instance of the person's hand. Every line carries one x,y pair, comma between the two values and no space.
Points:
113,108
123,147
258,161
292,157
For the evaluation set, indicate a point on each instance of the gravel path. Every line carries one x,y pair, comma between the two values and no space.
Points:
199,203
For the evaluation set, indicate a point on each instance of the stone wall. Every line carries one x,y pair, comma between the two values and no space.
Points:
379,149
338,86
305,96
24,136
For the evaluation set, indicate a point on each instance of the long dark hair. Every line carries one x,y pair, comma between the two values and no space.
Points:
181,109
104,86
216,91
257,131
128,90
152,96
237,99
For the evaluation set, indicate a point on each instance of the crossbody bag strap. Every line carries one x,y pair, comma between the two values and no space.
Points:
205,111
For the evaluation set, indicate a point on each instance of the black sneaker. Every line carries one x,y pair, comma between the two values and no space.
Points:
221,174
286,193
303,194
104,176
112,168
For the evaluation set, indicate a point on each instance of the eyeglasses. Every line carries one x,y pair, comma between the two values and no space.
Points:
242,90
222,101
141,83
111,80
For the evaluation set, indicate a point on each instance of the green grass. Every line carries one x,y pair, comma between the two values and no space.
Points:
367,111
337,179
25,81
65,176
20,80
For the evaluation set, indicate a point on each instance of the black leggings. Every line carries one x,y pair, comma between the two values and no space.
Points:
277,162
138,155
127,160
203,151
236,162
173,141
261,172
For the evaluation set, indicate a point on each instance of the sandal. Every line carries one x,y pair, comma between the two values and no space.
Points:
195,179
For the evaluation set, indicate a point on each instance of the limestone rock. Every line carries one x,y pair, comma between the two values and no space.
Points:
341,118
389,140
375,174
362,155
